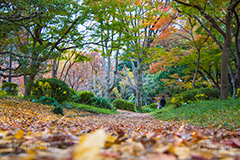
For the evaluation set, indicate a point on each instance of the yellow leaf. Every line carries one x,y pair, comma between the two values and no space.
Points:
90,145
19,134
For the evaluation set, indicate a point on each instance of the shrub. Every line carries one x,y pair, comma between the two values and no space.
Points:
92,109
211,93
72,95
176,101
10,88
58,110
85,97
238,93
3,93
201,97
200,94
123,104
102,102
130,106
46,100
51,87
153,106
189,95
145,109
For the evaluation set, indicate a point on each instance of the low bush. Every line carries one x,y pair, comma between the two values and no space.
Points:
10,88
3,93
92,109
123,104
102,102
189,95
46,100
85,97
145,109
72,95
176,101
195,95
211,93
52,102
153,106
51,87
58,110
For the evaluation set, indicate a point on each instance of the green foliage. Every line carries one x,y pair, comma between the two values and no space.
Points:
72,95
153,106
211,93
145,109
3,93
213,113
51,87
123,104
102,102
203,93
92,109
85,97
238,93
189,95
10,88
46,100
177,101
58,110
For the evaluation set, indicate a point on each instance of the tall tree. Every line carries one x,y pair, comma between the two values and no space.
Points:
223,16
108,29
144,22
48,34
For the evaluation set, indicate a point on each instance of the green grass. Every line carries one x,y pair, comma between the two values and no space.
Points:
92,109
215,113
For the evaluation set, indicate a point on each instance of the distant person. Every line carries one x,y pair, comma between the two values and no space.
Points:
158,103
162,102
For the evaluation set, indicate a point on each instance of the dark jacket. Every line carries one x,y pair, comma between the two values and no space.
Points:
162,102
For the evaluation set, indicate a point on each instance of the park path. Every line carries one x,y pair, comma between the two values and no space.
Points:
31,131
125,113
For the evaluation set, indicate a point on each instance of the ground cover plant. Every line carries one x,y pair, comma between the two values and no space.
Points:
215,113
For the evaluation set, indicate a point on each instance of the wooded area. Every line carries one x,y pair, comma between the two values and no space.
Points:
87,57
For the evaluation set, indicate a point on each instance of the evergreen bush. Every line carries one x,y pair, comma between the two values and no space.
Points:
85,97
10,88
102,102
123,104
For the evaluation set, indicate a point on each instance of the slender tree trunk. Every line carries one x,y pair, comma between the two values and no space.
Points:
195,75
225,57
139,85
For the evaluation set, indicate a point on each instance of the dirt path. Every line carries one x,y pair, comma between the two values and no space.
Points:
32,131
134,114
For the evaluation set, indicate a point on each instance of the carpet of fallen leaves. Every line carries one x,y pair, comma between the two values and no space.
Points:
31,131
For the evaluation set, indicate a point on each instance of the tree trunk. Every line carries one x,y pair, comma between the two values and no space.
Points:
195,75
139,85
28,81
225,57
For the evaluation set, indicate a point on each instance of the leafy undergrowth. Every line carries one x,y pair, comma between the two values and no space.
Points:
32,131
213,114
92,109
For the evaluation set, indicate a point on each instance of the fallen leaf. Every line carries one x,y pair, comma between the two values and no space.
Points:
89,146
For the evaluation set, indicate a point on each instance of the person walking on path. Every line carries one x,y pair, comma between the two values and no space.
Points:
162,102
